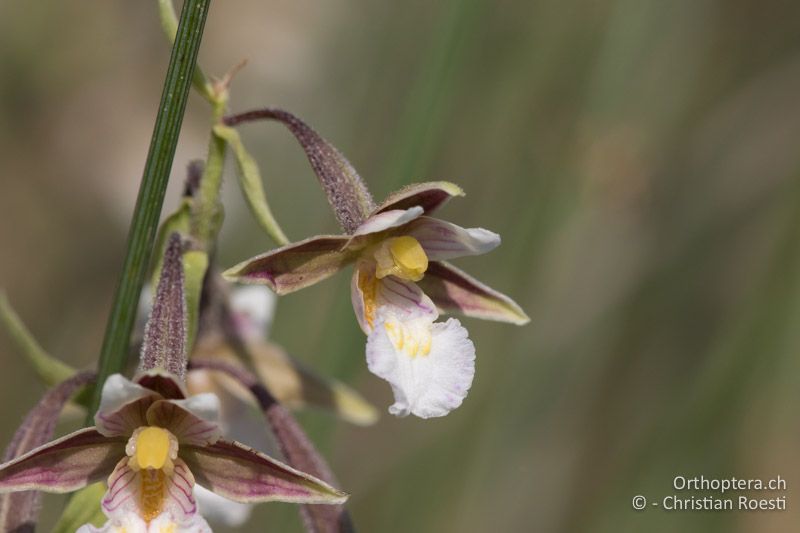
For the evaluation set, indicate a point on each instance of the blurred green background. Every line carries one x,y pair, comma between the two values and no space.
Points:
639,158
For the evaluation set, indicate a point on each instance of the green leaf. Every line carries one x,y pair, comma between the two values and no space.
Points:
83,508
49,369
250,181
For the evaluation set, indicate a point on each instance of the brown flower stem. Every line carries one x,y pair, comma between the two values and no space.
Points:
346,191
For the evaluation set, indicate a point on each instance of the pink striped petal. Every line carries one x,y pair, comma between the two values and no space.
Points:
443,240
122,495
65,464
242,474
126,486
295,266
123,405
402,297
429,196
455,291
193,421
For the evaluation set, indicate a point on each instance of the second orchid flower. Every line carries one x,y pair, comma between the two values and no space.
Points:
401,281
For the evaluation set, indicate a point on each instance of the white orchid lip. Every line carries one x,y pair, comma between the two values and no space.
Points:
160,524
429,365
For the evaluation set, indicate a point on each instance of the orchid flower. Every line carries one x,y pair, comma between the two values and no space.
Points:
400,285
152,442
152,448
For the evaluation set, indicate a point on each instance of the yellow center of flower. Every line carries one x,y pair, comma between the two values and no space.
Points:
402,257
152,497
152,447
152,451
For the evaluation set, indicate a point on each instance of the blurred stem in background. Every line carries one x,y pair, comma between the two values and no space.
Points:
153,187
424,119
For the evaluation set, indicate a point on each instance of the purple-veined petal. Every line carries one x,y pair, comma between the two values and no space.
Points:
429,196
429,366
166,494
123,405
19,510
444,240
193,420
295,265
65,464
452,290
242,474
387,220
404,298
162,383
123,494
369,293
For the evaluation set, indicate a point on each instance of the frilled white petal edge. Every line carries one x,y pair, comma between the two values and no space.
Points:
426,385
161,524
222,511
388,219
443,240
253,309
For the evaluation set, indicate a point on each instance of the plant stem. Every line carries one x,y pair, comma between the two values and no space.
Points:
48,368
208,215
152,189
